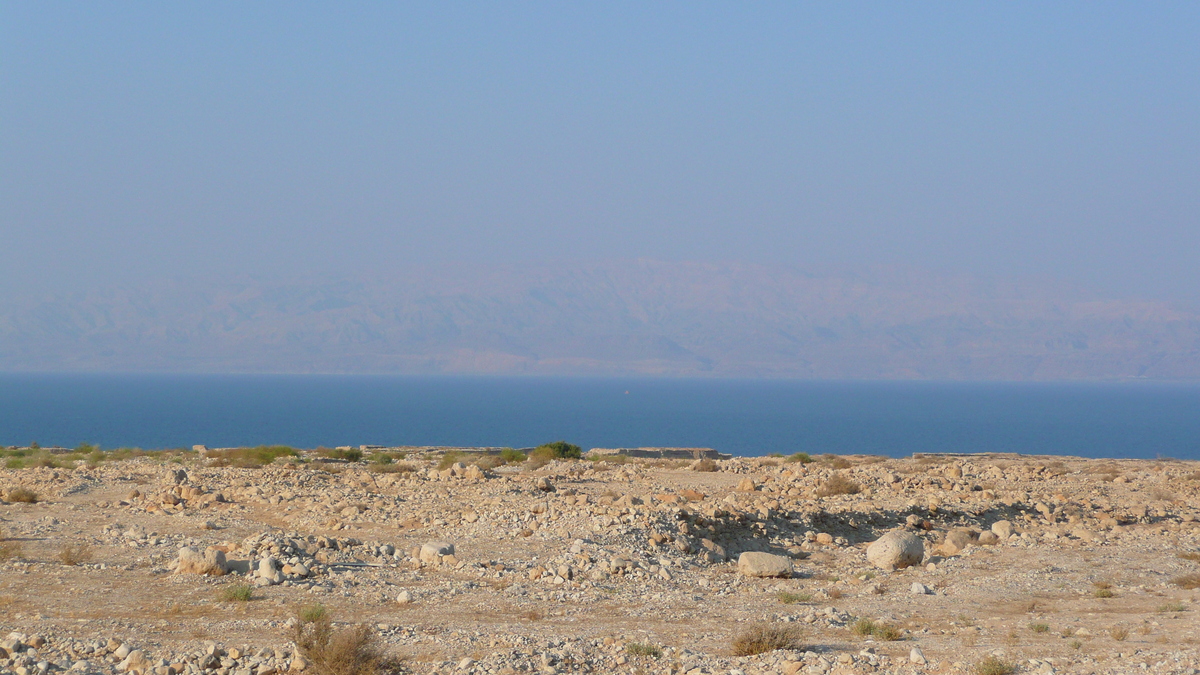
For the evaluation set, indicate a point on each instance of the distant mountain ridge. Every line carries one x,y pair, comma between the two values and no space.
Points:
631,317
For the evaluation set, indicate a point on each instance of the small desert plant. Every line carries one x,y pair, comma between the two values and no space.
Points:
236,593
9,549
246,458
532,615
1039,627
1173,606
643,649
489,462
556,450
1119,633
399,467
348,454
801,457
994,666
1103,589
834,593
766,637
1187,581
788,598
448,460
512,456
835,461
22,495
865,627
1075,644
349,651
74,555
838,484
705,465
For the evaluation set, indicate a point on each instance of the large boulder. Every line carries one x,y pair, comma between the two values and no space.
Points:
896,550
434,550
191,561
1002,529
757,564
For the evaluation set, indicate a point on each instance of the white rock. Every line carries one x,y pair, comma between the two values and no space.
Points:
757,564
895,550
915,655
432,549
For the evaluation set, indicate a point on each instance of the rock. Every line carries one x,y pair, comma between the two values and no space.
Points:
915,655
746,485
988,538
919,588
432,550
191,561
544,484
135,662
1002,529
404,598
757,564
177,476
824,538
896,550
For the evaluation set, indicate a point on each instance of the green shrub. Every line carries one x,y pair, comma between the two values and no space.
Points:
512,456
557,450
1039,627
792,598
643,649
801,457
236,593
248,458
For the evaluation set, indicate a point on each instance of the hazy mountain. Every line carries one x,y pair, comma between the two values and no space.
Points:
630,317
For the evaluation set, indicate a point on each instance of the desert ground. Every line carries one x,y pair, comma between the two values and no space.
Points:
412,561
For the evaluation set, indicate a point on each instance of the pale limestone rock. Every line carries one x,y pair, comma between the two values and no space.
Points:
895,550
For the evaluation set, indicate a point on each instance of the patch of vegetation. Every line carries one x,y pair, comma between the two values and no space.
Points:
348,454
835,461
557,450
399,467
788,598
251,458
1187,581
643,649
799,457
353,650
705,465
236,593
512,456
1119,633
865,627
9,549
1194,556
1173,606
75,555
22,496
1039,627
1103,593
994,666
766,637
838,484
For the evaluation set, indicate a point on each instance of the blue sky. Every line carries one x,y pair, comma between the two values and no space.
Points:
142,140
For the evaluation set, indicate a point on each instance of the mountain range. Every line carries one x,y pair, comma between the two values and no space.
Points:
626,317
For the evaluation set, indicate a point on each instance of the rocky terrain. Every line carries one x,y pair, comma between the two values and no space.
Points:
169,563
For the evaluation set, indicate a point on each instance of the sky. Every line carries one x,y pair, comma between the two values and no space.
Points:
147,140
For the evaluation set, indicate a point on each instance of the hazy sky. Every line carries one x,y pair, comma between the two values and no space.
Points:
151,139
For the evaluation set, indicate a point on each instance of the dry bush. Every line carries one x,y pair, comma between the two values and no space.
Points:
994,666
834,593
766,637
835,461
489,462
1160,494
1195,475
838,484
349,651
884,631
9,549
1194,556
531,615
74,555
398,467
22,495
1119,633
1187,581
643,649
1039,627
705,465
250,458
792,598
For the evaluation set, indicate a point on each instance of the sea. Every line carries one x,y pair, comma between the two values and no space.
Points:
740,417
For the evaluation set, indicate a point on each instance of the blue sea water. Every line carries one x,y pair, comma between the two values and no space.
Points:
742,417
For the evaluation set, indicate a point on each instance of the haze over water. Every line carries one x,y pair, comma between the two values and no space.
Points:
742,417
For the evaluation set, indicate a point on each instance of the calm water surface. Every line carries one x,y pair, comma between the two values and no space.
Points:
743,417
